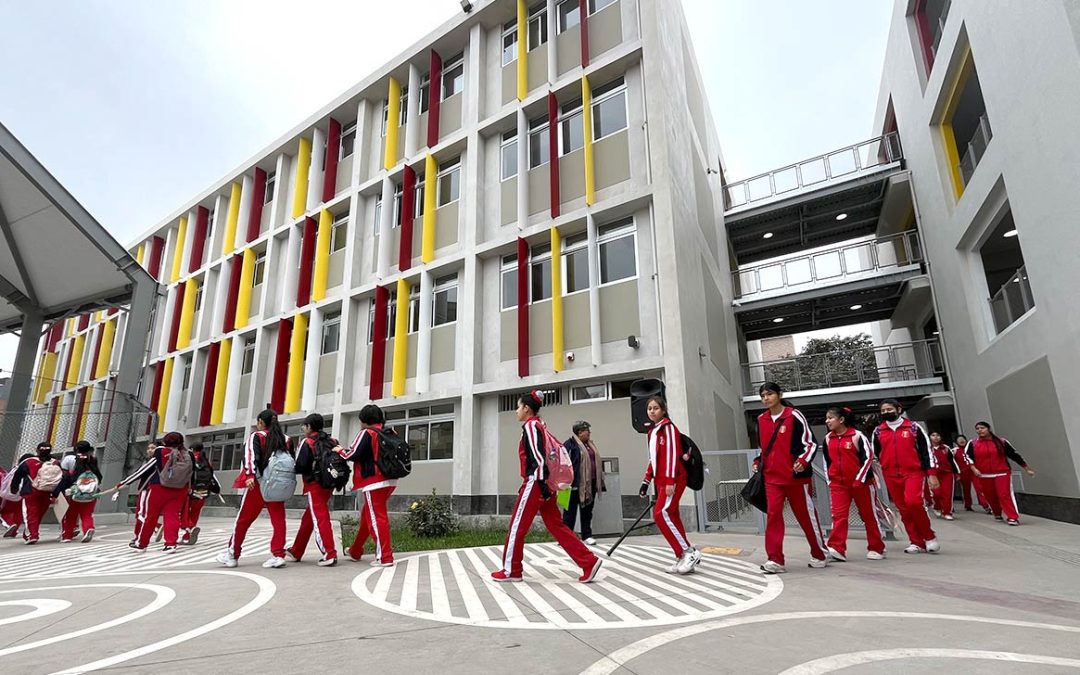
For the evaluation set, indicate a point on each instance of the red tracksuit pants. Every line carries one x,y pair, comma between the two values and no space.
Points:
316,519
141,506
11,512
374,523
35,505
797,495
77,511
251,506
165,503
943,496
906,492
841,497
191,513
529,503
667,519
969,483
999,494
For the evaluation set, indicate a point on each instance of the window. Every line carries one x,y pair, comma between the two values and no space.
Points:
509,42
271,180
568,14
508,155
348,141
1006,275
508,274
396,220
418,198
618,251
621,389
453,77
930,16
331,333
597,5
430,431
540,273
509,402
403,111
609,109
445,310
248,362
589,392
187,376
391,327
571,128
260,269
198,296
966,128
537,29
425,92
576,263
538,142
339,232
449,186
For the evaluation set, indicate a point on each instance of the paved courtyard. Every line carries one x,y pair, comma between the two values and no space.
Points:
995,600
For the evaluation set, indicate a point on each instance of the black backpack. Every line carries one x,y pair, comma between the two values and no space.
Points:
330,469
394,454
695,465
202,476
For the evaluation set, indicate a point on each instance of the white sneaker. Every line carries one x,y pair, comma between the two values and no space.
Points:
88,536
691,558
836,555
914,549
937,513
771,567
818,564
274,562
379,563
327,562
674,569
949,517
290,557
590,541
932,546
874,555
226,558
169,549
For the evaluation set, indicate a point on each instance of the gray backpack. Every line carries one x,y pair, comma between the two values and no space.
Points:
278,480
177,470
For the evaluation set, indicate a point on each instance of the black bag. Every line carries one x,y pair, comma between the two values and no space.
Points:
694,464
330,469
394,458
754,490
202,476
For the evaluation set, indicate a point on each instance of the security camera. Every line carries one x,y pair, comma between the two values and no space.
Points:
632,342
466,6
570,356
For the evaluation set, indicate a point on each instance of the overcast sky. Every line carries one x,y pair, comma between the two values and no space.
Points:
137,106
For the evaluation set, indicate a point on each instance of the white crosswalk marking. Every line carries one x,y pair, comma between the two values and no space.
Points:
633,589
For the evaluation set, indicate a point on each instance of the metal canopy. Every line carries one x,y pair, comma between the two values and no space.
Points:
55,258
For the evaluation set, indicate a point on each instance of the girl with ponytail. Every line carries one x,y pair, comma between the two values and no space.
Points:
989,457
849,458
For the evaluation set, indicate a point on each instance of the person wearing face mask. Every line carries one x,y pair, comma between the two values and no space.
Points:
903,449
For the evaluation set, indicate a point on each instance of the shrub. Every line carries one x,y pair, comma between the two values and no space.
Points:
431,517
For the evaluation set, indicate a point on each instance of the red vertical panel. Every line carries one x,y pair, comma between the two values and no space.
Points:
67,370
281,364
53,410
408,208
378,345
333,147
207,406
76,429
97,349
228,322
155,392
307,261
52,339
926,39
157,249
198,241
258,197
553,152
583,11
84,321
112,311
523,308
178,311
434,99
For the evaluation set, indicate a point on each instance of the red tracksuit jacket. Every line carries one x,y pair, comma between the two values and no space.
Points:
364,454
794,441
531,451
665,455
945,460
848,457
255,457
961,460
990,458
905,450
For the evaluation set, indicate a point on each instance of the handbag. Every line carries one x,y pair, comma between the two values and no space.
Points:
754,490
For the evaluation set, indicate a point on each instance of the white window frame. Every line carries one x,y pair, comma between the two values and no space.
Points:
574,399
402,426
425,93
449,168
271,184
458,62
559,28
249,348
349,130
564,116
507,141
332,321
199,296
539,260
617,90
341,220
569,248
539,127
391,315
509,31
258,274
620,229
443,285
508,263
593,9
538,17
418,199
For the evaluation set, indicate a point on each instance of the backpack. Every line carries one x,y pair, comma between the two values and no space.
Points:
177,470
278,480
5,488
557,459
394,460
202,476
48,476
330,469
86,487
695,465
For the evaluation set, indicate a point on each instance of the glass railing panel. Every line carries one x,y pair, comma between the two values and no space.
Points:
770,278
799,272
786,180
827,265
859,258
760,188
813,171
842,163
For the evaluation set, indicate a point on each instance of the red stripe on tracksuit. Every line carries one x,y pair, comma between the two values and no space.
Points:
968,482
531,501
666,469
906,462
375,488
849,458
164,502
942,497
83,512
316,516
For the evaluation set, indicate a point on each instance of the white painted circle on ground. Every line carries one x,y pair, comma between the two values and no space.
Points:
41,607
632,590
831,664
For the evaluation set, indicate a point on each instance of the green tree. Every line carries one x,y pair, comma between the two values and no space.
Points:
836,362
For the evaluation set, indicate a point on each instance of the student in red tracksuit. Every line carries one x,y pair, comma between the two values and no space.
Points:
164,502
81,511
535,496
948,470
264,442
35,502
968,482
203,484
666,468
317,514
11,510
903,449
787,448
142,476
374,488
849,458
989,457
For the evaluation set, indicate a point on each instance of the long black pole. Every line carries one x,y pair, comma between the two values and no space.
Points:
631,529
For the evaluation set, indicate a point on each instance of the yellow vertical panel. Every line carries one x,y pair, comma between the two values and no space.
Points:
556,301
295,383
140,253
393,111
178,254
187,314
84,413
228,242
431,180
69,327
948,138
163,398
221,381
401,338
303,165
46,373
322,256
586,120
76,360
105,355
243,299
522,50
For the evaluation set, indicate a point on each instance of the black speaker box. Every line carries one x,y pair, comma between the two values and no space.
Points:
640,392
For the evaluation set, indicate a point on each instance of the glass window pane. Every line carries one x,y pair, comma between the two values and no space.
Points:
509,160
417,436
577,270
449,187
453,80
569,14
798,272
597,5
445,307
509,289
509,47
589,392
441,440
827,265
541,280
538,148
445,409
572,133
537,31
395,415
609,116
617,260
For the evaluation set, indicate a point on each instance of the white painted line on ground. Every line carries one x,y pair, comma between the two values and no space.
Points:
42,607
830,664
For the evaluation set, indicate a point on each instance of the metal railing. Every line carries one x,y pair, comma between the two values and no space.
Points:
939,27
1012,300
844,162
976,148
850,260
904,362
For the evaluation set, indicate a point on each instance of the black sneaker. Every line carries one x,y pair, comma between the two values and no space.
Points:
169,549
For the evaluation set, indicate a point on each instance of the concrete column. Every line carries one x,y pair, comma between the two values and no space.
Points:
385,226
594,289
221,298
311,362
19,389
315,171
412,113
552,53
247,188
423,341
176,390
232,387
291,275
167,317
523,169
